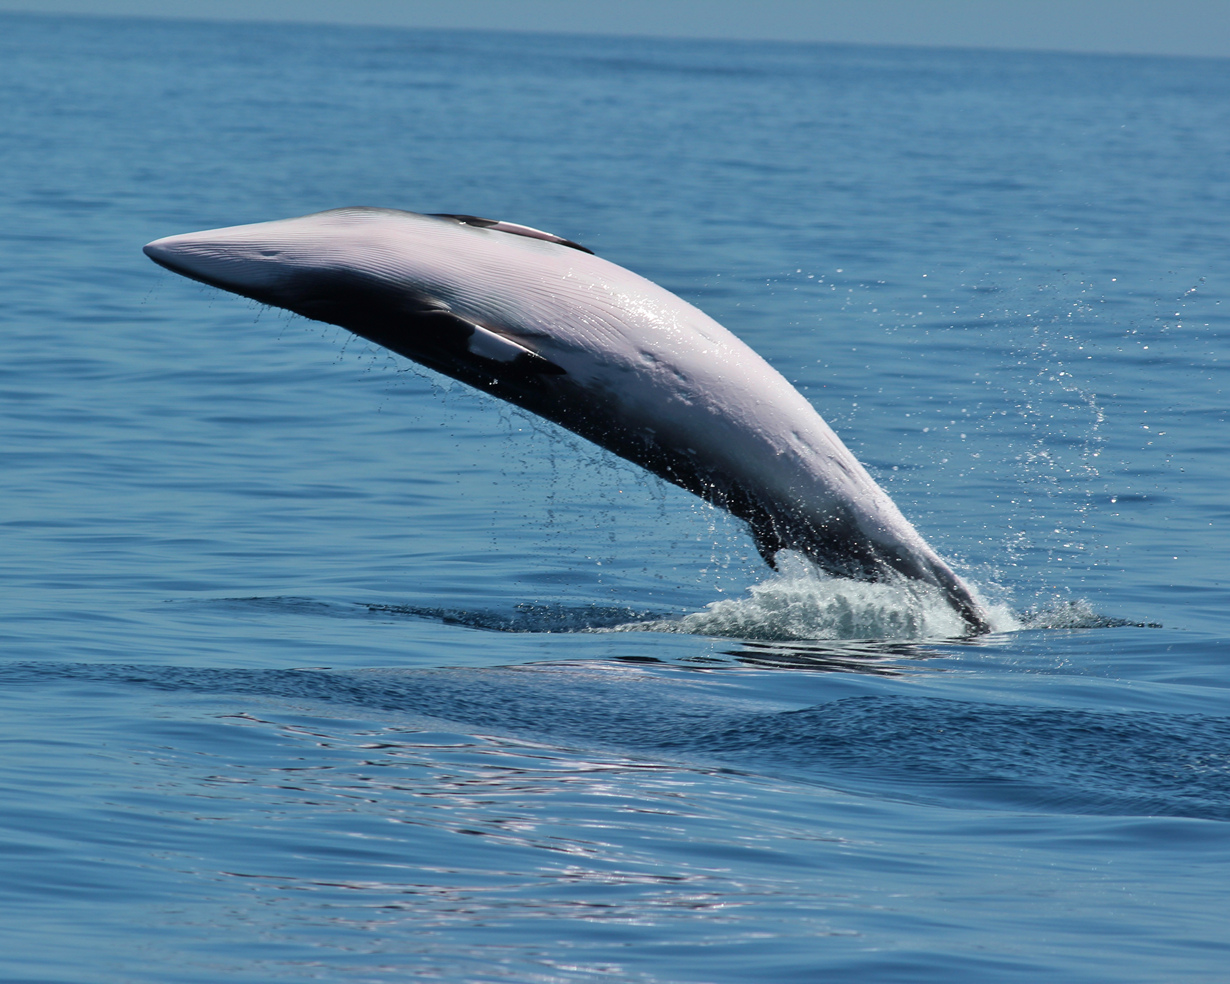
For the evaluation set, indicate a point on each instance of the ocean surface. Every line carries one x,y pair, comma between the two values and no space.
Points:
317,667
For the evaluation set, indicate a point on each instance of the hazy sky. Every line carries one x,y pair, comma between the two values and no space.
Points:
1179,27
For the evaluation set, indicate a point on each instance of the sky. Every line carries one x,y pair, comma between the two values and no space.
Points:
1170,27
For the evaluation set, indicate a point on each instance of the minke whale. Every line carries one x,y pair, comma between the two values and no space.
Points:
543,323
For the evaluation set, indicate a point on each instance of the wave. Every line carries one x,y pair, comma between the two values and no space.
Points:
797,604
524,617
904,746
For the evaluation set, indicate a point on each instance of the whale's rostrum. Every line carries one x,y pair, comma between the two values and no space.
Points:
541,322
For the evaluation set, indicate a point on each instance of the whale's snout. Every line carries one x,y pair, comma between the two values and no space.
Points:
241,264
167,252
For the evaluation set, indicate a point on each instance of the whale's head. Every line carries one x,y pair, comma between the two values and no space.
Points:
325,266
451,291
369,268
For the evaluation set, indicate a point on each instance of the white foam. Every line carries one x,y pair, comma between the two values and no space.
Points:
801,603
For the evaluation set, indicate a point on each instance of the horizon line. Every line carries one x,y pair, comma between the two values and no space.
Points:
197,16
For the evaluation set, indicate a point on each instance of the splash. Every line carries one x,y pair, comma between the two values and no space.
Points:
801,603
1076,614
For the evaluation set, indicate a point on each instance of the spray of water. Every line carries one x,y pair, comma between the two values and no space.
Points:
801,603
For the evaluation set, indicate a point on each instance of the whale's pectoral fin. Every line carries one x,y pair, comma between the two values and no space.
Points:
486,344
466,338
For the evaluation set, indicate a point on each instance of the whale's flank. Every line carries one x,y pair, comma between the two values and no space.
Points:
541,322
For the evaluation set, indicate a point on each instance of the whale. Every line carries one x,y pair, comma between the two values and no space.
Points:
543,323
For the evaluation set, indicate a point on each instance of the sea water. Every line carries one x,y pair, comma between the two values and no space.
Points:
318,667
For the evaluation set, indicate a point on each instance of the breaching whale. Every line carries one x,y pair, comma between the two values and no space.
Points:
541,322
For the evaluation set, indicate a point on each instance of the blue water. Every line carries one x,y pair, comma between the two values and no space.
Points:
316,667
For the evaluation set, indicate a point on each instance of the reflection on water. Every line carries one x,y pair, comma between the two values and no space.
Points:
875,658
